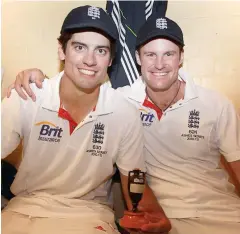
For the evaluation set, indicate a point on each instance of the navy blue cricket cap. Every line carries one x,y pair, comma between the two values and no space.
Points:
159,27
85,17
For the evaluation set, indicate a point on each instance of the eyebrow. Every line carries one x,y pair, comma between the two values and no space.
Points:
149,52
97,47
171,51
155,52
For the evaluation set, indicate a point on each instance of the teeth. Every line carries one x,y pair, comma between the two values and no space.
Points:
87,72
160,73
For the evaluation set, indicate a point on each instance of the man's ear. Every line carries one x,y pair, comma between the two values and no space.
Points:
181,58
61,54
138,58
110,62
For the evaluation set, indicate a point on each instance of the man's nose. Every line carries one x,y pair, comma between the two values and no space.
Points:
89,59
159,62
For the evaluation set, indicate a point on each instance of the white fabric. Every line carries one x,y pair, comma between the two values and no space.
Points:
203,226
182,158
63,175
16,223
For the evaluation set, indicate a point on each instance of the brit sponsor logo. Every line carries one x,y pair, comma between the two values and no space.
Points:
146,117
49,132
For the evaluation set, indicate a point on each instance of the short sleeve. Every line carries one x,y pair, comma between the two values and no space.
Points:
131,154
228,130
10,124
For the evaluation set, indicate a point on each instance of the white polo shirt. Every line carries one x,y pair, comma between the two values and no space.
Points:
63,174
183,149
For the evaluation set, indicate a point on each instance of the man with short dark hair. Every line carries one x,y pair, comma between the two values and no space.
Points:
73,136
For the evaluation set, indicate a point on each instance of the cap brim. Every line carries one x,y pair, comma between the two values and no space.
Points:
156,34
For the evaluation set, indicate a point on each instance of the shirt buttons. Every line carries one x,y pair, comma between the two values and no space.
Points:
90,116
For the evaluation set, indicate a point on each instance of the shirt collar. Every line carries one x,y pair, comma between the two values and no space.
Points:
105,105
138,89
190,88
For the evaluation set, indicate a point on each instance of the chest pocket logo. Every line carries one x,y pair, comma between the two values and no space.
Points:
193,119
49,132
97,140
146,117
193,126
98,133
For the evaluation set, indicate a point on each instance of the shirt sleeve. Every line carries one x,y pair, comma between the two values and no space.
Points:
228,130
131,154
11,124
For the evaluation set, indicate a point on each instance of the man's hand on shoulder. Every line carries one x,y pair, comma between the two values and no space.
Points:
23,79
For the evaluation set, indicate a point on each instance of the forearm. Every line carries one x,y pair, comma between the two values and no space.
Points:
149,201
124,182
235,169
153,212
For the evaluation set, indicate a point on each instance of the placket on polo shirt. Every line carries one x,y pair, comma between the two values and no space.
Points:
62,113
100,109
92,116
53,103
